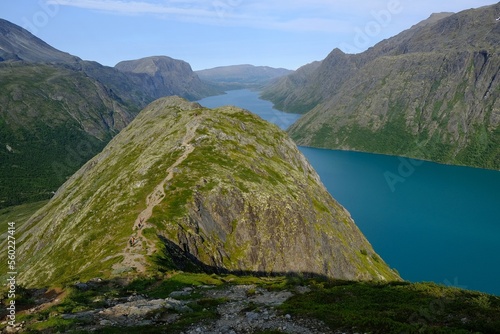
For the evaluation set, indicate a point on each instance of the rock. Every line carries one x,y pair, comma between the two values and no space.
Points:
302,289
105,322
134,298
272,298
207,286
82,286
138,308
81,316
177,294
177,305
251,316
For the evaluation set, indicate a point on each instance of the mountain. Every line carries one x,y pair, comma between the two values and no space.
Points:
242,76
52,120
165,76
430,92
17,43
296,92
58,111
192,188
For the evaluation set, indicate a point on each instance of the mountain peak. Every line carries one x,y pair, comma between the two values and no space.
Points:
152,65
17,43
165,76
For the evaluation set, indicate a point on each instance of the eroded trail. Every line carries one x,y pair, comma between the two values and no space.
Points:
138,246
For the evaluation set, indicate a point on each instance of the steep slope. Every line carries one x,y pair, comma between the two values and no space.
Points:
17,43
317,82
52,120
164,76
431,92
197,189
241,76
58,111
297,92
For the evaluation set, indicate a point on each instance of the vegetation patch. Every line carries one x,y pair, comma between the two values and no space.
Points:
397,308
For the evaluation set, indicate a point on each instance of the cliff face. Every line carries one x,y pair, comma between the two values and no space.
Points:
430,92
295,92
163,76
197,189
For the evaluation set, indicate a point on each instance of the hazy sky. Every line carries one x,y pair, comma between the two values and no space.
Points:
209,33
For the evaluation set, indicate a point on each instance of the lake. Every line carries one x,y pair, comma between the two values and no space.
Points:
429,221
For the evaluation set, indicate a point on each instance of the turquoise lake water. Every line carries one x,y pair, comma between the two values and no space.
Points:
431,222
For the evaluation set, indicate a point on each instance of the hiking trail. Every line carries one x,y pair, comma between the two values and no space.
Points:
138,246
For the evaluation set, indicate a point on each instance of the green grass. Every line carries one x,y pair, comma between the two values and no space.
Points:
18,214
397,308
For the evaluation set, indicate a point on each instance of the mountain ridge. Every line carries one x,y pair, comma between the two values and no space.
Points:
429,93
17,43
176,188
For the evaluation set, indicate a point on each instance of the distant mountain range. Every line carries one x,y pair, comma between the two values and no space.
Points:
431,92
242,76
57,111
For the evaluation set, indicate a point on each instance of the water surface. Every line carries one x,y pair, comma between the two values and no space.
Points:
249,100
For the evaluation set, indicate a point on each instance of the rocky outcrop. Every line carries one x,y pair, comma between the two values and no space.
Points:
428,93
195,189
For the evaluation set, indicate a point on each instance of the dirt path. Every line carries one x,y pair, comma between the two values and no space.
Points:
138,247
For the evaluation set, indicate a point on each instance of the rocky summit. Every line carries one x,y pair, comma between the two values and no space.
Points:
190,188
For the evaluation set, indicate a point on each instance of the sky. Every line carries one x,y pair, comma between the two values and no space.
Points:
211,33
